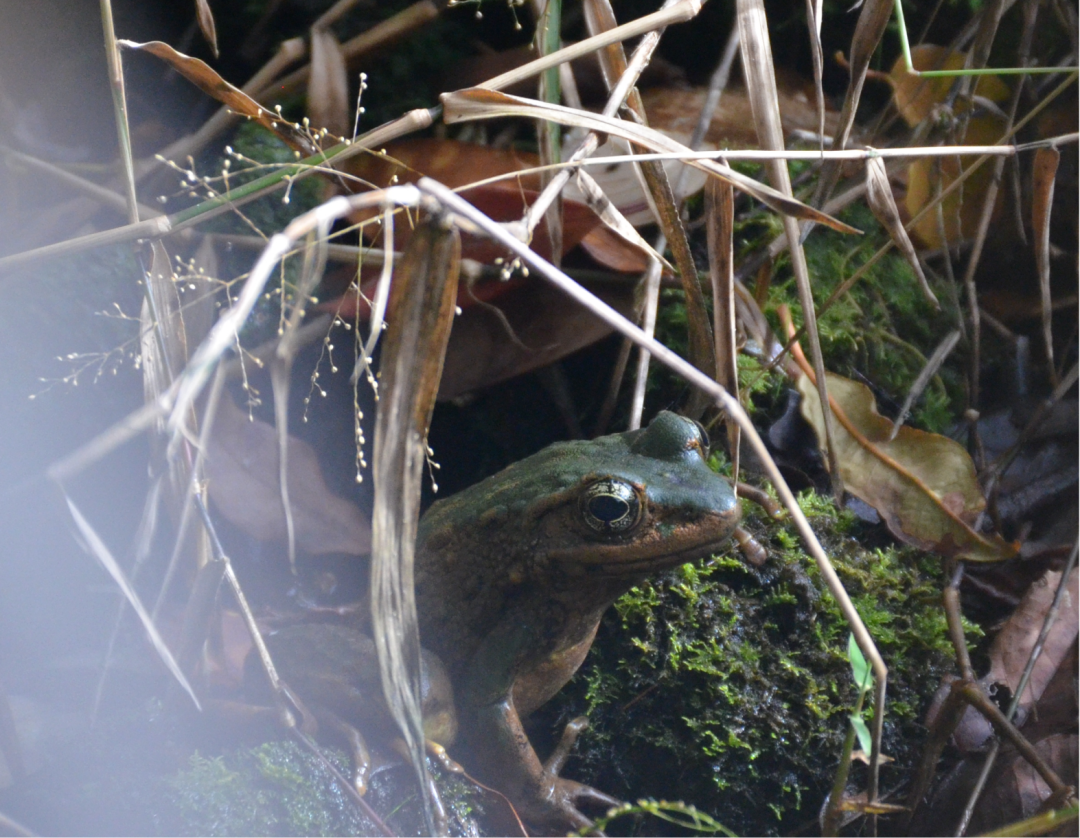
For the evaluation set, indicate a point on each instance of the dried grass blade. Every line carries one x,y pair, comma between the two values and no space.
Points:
97,547
547,41
933,364
813,21
209,82
699,332
478,103
421,312
757,62
1044,172
880,198
720,226
873,19
678,12
612,218
206,25
328,87
123,129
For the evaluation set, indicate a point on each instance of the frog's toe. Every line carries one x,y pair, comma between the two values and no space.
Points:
568,799
571,732
595,797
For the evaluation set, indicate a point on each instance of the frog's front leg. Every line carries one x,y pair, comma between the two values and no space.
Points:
504,756
509,763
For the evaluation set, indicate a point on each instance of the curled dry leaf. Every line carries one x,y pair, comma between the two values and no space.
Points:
923,485
209,82
880,198
328,85
206,24
242,476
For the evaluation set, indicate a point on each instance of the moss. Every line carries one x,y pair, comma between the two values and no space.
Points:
728,686
883,328
278,788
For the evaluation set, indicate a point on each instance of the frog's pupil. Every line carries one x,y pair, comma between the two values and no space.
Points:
608,508
611,506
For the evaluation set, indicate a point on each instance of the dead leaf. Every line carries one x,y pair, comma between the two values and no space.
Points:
963,208
674,110
917,97
242,477
1044,170
923,485
206,24
328,86
457,164
880,198
1016,790
209,82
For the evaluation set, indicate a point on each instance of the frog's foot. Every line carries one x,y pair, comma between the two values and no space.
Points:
359,755
441,821
560,808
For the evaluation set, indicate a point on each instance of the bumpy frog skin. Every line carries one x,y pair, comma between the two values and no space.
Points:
514,573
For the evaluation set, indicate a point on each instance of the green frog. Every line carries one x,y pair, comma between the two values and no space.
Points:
512,577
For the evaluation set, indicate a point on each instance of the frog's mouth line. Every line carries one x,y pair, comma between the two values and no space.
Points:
652,564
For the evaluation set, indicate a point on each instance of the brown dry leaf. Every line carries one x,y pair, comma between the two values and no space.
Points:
961,219
916,97
328,86
674,111
923,485
880,198
457,164
209,82
206,24
1043,172
1017,791
537,325
242,477
1012,647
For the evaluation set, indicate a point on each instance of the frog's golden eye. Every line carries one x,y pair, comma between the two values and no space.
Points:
610,506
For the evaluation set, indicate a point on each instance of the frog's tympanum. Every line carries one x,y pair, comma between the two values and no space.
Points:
514,573
512,577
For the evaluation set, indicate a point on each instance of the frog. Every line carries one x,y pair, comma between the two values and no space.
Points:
513,575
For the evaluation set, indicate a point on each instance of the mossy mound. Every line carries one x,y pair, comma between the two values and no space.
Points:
279,788
728,686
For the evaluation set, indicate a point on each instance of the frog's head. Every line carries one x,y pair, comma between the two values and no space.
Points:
618,506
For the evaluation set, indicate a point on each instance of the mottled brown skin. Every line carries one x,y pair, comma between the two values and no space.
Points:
514,574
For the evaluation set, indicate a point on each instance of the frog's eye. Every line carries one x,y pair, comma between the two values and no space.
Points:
703,439
610,506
